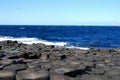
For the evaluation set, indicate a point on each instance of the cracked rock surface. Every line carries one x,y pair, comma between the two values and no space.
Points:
40,62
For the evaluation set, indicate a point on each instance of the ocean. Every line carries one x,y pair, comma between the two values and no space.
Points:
83,37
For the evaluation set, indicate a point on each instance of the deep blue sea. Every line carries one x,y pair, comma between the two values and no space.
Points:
64,36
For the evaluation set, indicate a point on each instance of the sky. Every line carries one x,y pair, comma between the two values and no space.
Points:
60,12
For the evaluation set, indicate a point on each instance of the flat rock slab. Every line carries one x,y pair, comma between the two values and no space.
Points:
1,67
91,77
68,71
58,77
6,62
16,67
32,75
7,75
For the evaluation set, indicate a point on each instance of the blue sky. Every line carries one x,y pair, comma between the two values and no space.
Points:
60,12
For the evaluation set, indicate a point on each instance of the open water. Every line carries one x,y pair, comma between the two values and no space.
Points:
83,37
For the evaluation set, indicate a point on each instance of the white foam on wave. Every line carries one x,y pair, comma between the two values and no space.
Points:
26,40
32,40
83,48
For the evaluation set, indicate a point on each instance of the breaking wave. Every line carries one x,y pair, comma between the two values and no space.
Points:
26,40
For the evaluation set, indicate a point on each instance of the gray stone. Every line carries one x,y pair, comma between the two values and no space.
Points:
16,67
58,77
68,71
91,77
98,71
7,75
33,75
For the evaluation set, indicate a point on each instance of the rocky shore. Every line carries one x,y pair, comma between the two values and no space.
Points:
40,62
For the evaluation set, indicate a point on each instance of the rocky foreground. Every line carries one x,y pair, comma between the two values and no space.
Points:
40,62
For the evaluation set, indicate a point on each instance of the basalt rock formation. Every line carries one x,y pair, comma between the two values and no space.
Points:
41,62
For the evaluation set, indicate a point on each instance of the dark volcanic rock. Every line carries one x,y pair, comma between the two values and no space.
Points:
2,54
1,67
41,62
13,57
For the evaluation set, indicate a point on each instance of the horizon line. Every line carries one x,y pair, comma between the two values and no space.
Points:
50,25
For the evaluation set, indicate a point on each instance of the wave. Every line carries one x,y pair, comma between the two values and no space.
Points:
26,40
83,48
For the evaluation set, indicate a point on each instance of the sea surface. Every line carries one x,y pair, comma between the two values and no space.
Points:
83,37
